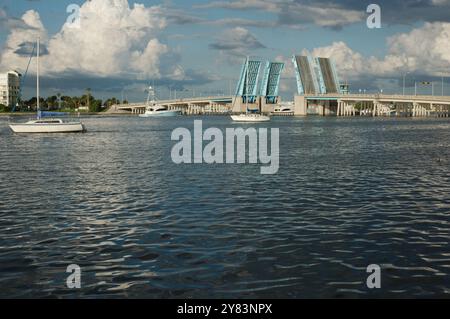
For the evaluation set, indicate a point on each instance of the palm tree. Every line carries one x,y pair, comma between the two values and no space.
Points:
88,90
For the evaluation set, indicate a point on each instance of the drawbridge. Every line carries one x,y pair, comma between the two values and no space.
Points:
250,89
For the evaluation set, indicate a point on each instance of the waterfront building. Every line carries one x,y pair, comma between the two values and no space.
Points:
9,88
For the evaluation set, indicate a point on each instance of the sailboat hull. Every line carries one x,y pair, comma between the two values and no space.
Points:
48,128
250,118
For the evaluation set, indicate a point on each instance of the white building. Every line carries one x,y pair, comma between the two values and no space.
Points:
9,88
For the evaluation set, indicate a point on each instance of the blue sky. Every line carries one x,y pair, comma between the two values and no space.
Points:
198,45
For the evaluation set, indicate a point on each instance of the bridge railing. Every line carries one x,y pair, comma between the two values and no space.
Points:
383,96
174,101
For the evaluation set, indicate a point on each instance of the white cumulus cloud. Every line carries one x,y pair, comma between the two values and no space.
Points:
424,50
113,39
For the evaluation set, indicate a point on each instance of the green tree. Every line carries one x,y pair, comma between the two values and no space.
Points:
111,101
4,108
52,102
95,106
67,103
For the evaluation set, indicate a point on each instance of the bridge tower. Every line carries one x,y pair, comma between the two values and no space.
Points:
250,69
315,77
266,94
270,85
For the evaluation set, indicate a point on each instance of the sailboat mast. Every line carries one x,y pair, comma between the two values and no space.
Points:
37,74
246,87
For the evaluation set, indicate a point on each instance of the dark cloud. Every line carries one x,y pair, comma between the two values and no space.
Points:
175,16
398,11
182,18
236,39
73,81
27,48
337,14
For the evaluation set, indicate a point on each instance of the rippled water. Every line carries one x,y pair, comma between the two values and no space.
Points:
349,193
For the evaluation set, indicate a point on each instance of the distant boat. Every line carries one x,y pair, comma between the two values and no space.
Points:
283,109
158,111
251,116
41,125
153,109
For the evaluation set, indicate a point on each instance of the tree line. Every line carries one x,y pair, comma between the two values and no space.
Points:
65,104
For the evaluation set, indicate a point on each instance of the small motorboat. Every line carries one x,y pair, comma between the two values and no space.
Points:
283,110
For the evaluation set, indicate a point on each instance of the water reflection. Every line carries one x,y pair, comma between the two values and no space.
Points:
349,193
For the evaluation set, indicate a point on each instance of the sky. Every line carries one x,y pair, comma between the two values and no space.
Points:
196,47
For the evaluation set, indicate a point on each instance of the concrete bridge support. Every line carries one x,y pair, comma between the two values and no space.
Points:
346,108
421,109
381,109
442,110
339,108
300,105
366,108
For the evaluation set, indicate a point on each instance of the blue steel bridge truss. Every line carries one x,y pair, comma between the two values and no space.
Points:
271,81
254,67
269,85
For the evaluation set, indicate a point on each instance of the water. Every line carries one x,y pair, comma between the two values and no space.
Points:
349,193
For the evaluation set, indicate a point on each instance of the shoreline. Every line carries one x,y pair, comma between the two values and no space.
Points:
20,114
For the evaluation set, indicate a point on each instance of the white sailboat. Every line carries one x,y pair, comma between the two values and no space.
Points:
41,125
249,117
153,109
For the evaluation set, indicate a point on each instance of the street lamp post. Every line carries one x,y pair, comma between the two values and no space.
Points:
404,76
404,80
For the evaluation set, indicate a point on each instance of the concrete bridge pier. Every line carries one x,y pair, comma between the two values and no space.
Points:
402,109
442,110
375,105
382,109
346,109
421,110
327,108
352,109
300,105
366,108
